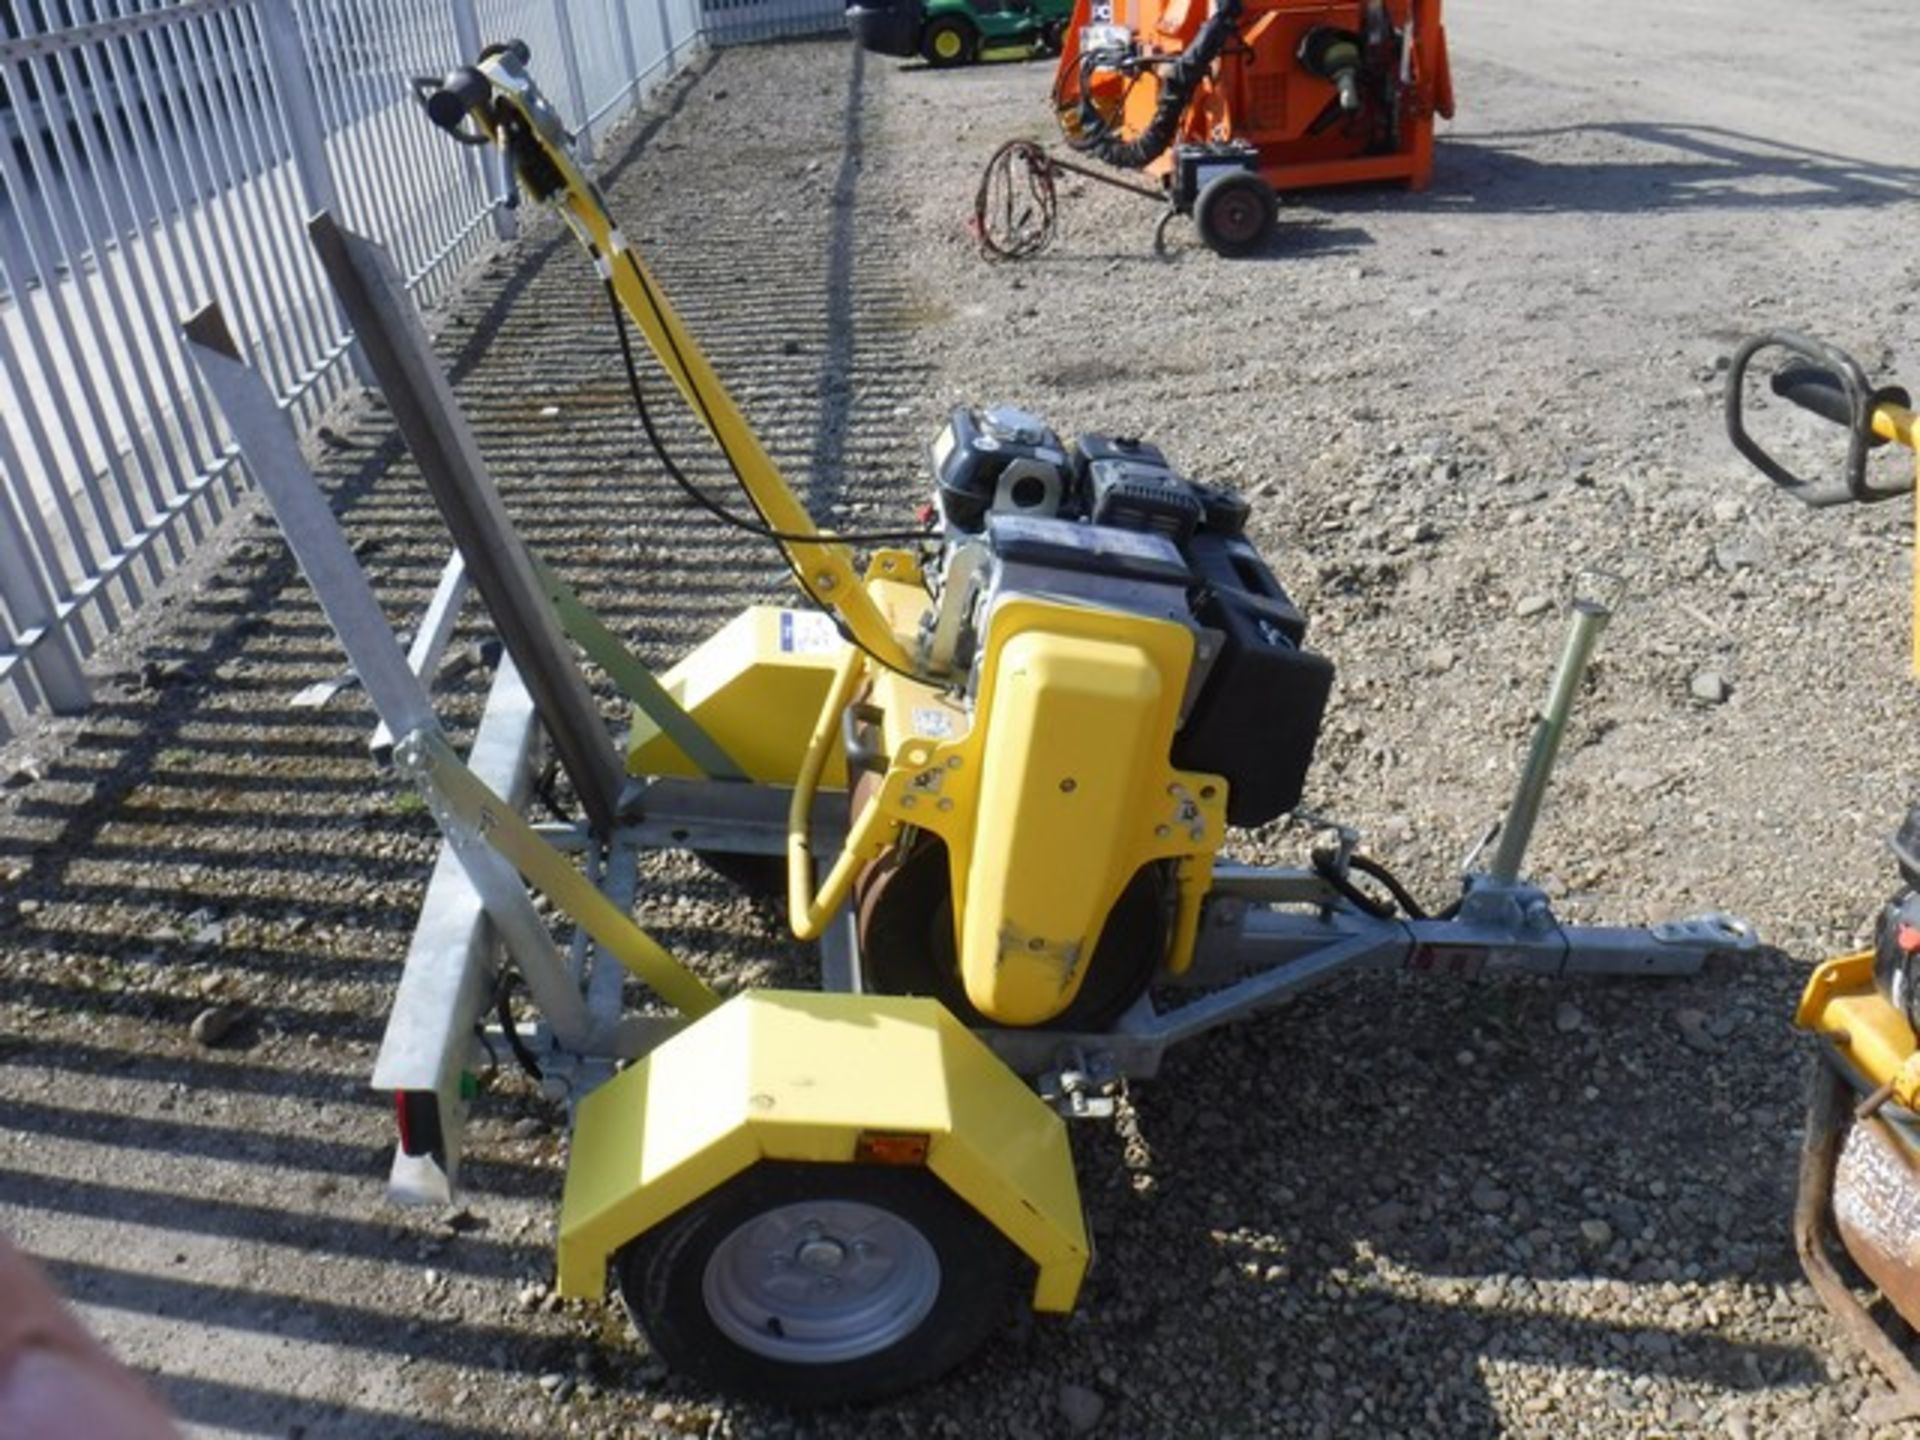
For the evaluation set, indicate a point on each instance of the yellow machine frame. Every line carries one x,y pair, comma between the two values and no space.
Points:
1043,834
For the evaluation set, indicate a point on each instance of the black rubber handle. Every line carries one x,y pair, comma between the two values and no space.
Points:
1832,385
458,95
1819,391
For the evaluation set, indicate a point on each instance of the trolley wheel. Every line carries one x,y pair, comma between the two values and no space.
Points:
1236,213
948,41
1051,39
816,1284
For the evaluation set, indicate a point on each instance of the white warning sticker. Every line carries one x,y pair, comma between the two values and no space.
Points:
933,722
807,632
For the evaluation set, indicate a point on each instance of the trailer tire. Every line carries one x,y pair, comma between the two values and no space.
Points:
1236,213
949,41
819,1284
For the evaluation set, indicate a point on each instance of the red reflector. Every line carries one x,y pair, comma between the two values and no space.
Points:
403,1121
876,1147
1907,938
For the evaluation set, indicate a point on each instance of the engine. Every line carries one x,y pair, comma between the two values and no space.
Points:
1107,522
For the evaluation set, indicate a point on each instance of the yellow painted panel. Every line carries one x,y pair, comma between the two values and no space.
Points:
1841,1005
797,1075
755,685
1076,727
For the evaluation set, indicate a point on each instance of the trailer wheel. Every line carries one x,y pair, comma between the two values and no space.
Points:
949,41
815,1284
1236,213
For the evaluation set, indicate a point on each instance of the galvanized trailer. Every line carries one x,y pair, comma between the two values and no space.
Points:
815,1195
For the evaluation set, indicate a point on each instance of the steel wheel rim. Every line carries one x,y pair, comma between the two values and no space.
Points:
946,44
821,1281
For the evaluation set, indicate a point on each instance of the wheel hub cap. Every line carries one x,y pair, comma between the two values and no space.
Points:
821,1281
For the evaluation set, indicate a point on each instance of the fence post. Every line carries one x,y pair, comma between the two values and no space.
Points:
625,22
306,133
287,63
50,658
466,35
570,52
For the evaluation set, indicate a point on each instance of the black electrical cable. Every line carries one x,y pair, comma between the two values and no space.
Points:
1366,865
1325,867
1007,228
708,502
1327,870
503,1012
1178,81
544,791
700,497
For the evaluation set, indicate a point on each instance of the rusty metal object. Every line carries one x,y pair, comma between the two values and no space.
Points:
1848,1170
1876,1209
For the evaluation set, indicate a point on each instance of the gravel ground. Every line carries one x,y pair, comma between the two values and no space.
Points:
1400,1207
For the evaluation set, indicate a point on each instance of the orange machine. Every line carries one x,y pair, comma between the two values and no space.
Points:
1229,105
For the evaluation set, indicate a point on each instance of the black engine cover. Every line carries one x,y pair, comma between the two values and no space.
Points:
1258,715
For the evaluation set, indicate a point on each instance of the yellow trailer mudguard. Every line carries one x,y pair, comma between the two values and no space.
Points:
800,1075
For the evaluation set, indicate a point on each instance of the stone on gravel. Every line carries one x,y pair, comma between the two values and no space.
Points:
159,674
1388,1215
1740,553
1696,1032
1528,606
214,1025
1597,1233
1488,1198
1081,1408
1710,687
1567,1017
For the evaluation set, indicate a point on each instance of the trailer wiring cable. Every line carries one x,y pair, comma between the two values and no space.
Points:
1328,868
545,793
1003,232
509,1031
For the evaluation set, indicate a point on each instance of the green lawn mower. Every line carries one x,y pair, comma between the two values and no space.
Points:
956,32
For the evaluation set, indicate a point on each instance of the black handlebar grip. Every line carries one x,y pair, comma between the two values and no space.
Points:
463,91
518,49
1819,391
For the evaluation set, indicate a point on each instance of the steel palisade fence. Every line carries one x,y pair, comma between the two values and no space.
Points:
155,154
